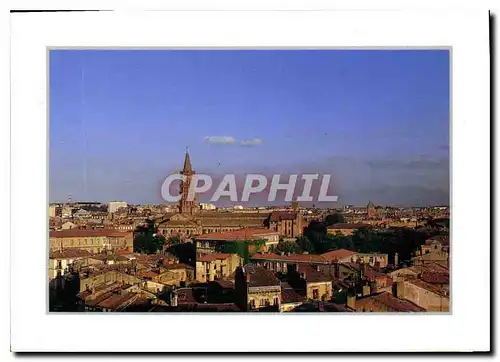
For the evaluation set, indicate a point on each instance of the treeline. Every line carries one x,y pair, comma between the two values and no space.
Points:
146,239
316,240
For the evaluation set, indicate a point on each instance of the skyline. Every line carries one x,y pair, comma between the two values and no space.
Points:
377,120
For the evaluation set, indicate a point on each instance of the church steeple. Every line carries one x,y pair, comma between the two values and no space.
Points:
187,205
187,164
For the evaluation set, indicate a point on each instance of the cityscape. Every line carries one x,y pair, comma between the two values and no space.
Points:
330,171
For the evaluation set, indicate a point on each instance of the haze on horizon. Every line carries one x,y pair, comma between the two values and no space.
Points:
378,121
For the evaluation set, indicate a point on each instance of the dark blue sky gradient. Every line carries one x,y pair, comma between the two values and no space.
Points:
376,120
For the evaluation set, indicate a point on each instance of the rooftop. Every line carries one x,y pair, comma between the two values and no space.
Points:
299,258
387,299
260,277
213,256
312,275
338,254
81,233
241,234
69,253
116,301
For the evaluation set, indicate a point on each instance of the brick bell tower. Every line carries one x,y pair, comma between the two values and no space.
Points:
186,206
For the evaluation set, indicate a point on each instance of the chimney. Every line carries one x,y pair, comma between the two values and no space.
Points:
248,278
396,259
282,253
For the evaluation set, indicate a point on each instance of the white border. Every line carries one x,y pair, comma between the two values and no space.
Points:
466,330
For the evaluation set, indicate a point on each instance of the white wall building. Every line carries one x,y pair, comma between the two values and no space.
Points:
113,206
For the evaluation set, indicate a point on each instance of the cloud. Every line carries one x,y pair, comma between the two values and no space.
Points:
220,140
228,140
252,142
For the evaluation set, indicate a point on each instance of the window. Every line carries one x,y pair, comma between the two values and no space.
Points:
263,302
251,305
315,293
275,302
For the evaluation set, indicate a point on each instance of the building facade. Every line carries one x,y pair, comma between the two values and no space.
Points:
94,241
114,206
286,223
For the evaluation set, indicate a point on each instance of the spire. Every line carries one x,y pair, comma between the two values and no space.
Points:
187,163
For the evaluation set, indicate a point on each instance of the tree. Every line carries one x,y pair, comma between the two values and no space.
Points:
287,247
173,240
140,243
147,240
305,244
335,218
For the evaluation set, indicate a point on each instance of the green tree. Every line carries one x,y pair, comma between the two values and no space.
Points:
173,240
140,243
287,247
146,239
305,244
335,218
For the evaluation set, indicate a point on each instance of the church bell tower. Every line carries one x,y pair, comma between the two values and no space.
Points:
187,206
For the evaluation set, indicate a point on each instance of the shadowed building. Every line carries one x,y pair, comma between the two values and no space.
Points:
257,288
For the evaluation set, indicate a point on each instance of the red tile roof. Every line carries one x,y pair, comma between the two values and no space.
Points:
176,266
297,258
338,254
435,278
241,234
312,275
81,233
387,301
117,300
396,304
288,295
213,256
149,274
260,277
69,253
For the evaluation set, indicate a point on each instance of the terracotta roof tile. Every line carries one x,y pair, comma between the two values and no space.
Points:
338,254
298,258
260,277
213,256
389,301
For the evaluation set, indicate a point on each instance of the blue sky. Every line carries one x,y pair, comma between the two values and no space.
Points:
377,120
